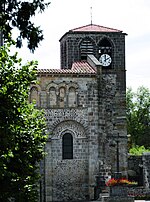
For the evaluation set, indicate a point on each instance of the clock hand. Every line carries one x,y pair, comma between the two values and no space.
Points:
107,58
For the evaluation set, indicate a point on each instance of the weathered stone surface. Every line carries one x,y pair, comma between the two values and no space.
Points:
117,199
146,169
119,191
89,107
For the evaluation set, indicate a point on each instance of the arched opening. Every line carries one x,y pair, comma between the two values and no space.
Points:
105,46
72,97
105,52
86,47
62,97
67,146
52,97
34,95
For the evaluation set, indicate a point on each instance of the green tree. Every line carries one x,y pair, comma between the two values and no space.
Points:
138,116
138,150
22,129
18,14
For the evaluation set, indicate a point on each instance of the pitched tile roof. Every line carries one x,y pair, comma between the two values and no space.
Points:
94,28
55,71
82,67
77,68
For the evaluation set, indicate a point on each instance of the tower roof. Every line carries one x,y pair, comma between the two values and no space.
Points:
94,28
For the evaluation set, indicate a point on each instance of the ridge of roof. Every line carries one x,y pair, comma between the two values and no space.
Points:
94,28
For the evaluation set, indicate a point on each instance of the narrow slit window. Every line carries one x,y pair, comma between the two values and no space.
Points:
67,146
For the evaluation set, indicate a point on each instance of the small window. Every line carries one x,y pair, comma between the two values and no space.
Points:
34,95
67,146
86,47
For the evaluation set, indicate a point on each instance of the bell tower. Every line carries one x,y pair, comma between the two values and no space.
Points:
106,44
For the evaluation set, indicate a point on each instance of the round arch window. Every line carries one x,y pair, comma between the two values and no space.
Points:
67,146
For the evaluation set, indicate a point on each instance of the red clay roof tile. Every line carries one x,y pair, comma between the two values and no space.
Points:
77,68
94,28
82,67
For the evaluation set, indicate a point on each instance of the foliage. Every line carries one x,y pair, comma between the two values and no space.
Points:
116,182
142,197
21,130
18,14
138,116
138,150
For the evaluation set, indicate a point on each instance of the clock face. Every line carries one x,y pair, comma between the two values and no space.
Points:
105,60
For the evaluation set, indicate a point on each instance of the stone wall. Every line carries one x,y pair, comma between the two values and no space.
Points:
135,169
112,102
70,174
138,192
146,169
139,169
91,109
69,179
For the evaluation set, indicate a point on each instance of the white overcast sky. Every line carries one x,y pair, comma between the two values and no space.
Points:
130,16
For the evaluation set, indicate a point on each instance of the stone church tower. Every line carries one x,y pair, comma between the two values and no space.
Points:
84,103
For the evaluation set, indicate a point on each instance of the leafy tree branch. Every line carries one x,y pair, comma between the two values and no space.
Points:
138,116
22,129
18,14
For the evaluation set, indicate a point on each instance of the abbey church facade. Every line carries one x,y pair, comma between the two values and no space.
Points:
84,103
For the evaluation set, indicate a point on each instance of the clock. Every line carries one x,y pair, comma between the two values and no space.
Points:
105,60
